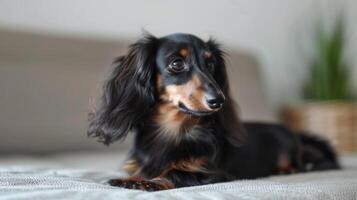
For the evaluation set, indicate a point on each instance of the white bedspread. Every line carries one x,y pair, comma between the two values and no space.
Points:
30,180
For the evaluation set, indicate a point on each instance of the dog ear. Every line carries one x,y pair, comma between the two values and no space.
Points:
128,94
227,116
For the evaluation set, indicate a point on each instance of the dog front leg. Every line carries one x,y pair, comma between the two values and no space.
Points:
140,183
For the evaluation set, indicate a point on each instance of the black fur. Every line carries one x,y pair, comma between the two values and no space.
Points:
128,95
218,148
317,153
233,128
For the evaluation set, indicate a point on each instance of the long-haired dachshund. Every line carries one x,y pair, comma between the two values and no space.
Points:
173,94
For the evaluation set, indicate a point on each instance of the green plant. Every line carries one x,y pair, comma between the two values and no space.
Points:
329,73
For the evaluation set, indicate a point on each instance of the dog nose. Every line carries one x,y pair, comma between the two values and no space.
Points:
215,102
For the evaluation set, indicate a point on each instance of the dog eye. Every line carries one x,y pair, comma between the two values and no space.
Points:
177,65
210,66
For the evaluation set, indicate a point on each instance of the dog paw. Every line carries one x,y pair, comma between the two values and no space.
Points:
145,185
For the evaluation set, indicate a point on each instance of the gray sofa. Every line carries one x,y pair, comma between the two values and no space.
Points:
48,85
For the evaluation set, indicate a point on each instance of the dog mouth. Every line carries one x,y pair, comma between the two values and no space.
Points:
186,110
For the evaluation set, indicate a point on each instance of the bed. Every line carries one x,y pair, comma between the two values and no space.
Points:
83,175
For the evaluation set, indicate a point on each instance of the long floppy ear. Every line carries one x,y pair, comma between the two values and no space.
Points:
227,116
128,94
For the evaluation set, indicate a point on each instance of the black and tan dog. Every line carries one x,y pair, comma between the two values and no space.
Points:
173,94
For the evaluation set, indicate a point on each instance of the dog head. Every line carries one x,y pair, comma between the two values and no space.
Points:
185,74
180,69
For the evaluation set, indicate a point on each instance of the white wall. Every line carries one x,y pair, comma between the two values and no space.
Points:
275,31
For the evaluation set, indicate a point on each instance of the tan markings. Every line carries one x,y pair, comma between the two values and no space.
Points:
164,183
283,161
284,165
184,52
207,54
191,94
158,82
131,167
191,165
171,121
165,172
198,96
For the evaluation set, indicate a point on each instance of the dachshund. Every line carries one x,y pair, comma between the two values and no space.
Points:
172,93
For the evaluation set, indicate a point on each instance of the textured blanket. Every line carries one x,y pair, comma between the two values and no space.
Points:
34,182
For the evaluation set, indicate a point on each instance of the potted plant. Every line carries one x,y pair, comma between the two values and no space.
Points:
329,107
